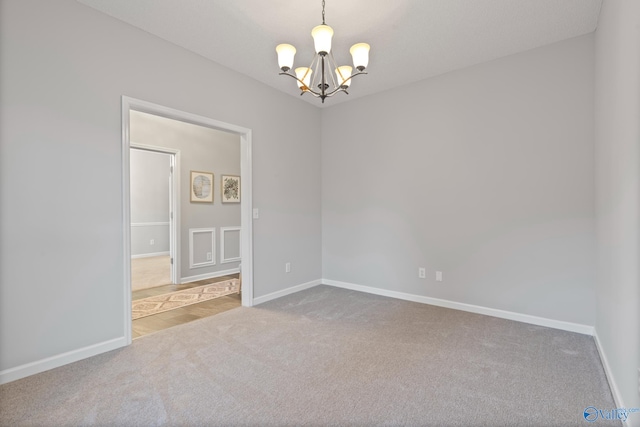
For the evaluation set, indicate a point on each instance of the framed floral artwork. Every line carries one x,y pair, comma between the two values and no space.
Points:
201,187
230,189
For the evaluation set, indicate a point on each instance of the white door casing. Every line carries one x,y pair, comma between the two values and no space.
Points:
246,208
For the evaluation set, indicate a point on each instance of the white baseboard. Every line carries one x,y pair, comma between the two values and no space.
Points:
150,255
210,275
284,292
36,367
617,397
510,315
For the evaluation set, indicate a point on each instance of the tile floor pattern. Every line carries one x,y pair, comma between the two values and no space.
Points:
160,321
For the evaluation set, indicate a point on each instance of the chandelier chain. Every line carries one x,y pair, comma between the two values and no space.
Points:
323,13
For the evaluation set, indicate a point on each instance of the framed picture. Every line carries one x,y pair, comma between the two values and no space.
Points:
230,189
201,187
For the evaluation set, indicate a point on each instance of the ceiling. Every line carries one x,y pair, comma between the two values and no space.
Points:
410,39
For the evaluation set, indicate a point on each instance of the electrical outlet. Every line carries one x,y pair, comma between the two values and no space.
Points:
209,256
152,242
438,276
256,214
287,267
422,273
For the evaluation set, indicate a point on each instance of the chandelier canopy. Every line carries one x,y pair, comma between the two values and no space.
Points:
324,64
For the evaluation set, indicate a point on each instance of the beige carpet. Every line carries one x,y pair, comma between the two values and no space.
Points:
160,303
327,357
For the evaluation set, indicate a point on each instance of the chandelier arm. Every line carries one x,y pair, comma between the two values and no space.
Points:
341,89
318,94
314,93
353,75
334,66
315,63
323,83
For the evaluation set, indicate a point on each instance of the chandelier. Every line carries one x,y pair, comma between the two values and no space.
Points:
324,64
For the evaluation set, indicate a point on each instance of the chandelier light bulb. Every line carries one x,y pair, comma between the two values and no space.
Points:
304,74
286,52
322,35
360,54
342,74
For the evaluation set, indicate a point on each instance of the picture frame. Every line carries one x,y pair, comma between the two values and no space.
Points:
201,187
230,189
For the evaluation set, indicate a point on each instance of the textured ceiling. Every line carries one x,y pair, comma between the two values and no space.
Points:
410,39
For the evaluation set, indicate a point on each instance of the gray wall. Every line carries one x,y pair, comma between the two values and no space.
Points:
485,174
149,185
201,149
63,70
617,42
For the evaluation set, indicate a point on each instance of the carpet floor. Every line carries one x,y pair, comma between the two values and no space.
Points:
326,357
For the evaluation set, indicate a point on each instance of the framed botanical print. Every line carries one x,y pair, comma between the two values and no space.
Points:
201,187
230,189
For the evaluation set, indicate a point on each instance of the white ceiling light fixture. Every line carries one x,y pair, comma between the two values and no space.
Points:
324,63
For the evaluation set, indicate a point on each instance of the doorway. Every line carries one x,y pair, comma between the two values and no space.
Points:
245,232
153,228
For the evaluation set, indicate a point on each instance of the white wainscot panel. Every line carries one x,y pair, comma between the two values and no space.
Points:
229,244
202,247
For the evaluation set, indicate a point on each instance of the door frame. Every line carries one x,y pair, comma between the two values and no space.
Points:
174,203
246,206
